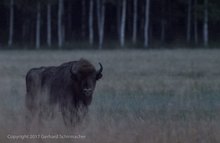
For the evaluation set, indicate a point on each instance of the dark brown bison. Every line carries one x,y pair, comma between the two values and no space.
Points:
69,87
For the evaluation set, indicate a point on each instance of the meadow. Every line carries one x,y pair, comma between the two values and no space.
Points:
145,96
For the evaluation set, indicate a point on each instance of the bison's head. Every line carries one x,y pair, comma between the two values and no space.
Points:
85,74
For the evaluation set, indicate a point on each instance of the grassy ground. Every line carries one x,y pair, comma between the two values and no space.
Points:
154,96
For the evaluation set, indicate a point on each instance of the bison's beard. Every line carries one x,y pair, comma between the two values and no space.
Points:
87,100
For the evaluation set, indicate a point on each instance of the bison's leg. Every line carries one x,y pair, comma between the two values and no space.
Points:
73,116
66,114
46,108
46,111
31,110
33,89
69,115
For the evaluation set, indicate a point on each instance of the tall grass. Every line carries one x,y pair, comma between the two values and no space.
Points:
154,96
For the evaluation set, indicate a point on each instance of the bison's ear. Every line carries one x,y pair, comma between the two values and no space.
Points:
98,76
99,73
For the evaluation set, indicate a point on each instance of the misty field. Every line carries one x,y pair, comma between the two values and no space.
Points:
145,96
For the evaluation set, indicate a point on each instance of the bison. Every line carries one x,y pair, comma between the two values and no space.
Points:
69,87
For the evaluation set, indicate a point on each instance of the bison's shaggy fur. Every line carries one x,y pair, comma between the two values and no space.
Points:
69,86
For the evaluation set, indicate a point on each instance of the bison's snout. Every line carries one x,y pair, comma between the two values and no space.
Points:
88,92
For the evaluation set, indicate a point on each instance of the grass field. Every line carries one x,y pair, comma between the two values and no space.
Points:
152,96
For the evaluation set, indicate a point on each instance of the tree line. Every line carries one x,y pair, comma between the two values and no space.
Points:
139,23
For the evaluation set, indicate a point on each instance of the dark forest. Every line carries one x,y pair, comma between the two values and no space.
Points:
104,24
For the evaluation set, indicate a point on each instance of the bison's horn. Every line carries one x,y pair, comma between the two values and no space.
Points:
101,68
